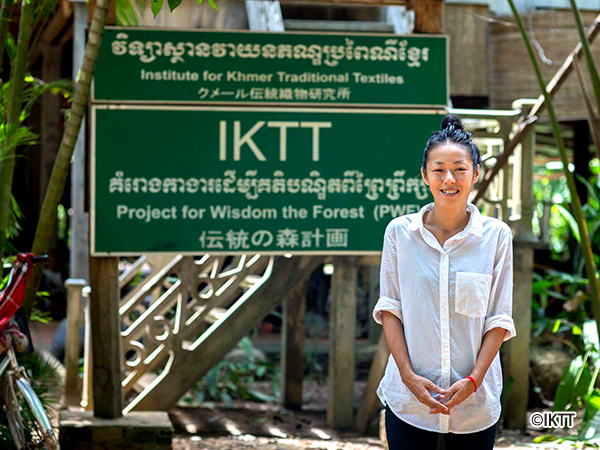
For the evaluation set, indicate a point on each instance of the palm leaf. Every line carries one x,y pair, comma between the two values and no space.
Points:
37,88
13,137
570,221
127,13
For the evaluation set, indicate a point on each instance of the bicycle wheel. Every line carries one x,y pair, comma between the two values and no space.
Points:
13,413
37,422
28,421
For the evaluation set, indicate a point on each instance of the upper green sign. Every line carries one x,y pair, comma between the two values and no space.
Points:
241,67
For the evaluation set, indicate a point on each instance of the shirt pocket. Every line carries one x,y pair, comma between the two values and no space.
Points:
472,293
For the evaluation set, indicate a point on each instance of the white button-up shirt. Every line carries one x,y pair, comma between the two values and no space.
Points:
447,299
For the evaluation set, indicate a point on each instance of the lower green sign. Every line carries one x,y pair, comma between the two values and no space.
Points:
238,180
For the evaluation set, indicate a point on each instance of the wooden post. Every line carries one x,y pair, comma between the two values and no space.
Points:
73,341
292,348
106,338
87,394
51,123
51,119
516,357
374,327
342,328
79,219
370,401
429,16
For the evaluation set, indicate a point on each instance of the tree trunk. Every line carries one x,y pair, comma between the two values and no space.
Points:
17,82
60,171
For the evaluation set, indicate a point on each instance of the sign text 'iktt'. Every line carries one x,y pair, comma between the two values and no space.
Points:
273,180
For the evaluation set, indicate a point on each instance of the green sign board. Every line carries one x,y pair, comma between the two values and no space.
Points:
242,67
238,180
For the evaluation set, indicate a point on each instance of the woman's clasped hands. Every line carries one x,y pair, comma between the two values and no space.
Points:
449,398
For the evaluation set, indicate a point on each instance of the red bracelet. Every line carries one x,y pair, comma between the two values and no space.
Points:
473,380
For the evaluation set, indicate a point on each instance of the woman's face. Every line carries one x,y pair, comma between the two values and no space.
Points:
450,174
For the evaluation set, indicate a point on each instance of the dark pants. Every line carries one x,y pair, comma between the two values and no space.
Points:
402,436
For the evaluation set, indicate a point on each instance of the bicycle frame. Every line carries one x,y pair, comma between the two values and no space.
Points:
9,360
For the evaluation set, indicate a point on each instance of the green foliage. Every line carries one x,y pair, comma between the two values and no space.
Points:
156,5
45,9
574,385
211,3
591,212
44,381
11,47
229,380
33,89
174,4
40,316
129,12
551,188
314,367
577,391
562,292
586,238
12,136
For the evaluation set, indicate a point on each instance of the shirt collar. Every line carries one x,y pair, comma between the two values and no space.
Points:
474,226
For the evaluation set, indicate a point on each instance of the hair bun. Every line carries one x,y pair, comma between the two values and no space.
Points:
454,121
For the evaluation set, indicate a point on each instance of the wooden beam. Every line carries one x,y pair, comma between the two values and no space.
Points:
66,37
342,329
292,349
348,2
360,260
370,401
106,338
429,16
526,124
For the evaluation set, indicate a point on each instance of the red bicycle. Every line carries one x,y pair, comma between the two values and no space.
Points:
28,422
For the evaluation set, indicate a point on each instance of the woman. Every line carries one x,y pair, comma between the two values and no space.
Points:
445,305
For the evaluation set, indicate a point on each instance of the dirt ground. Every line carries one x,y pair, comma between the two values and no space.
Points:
250,425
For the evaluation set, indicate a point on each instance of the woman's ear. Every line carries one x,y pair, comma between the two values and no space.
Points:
476,175
424,176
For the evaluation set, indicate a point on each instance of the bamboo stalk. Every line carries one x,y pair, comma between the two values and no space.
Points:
587,52
60,170
591,114
17,83
586,248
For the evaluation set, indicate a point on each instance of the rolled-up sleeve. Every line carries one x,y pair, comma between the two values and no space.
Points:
499,311
389,290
